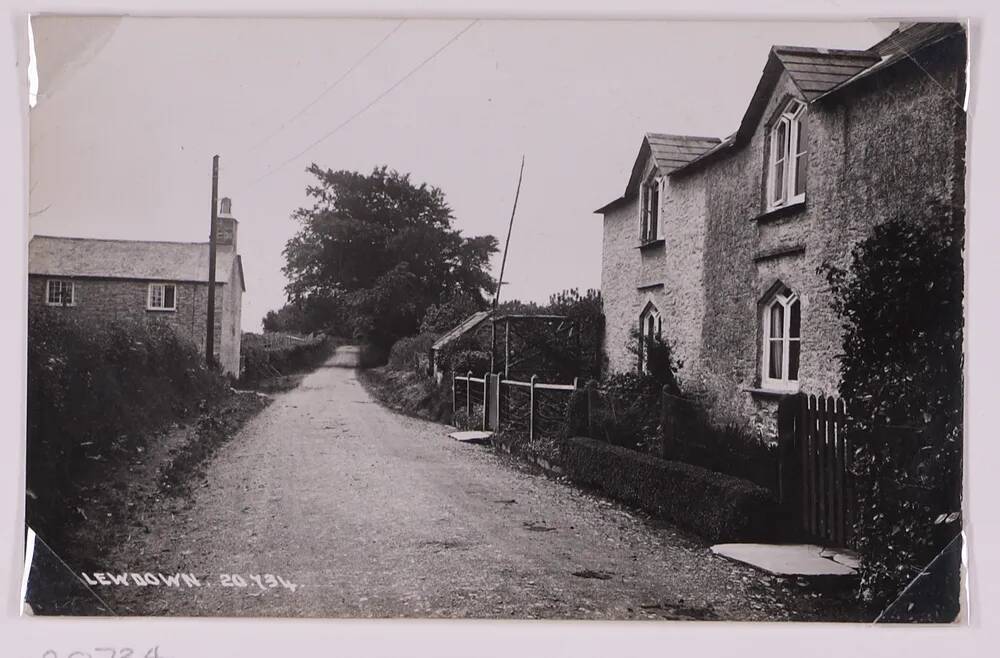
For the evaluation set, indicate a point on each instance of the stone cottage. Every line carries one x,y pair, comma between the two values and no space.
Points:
715,243
163,282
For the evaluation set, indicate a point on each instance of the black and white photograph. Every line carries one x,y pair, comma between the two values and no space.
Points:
496,318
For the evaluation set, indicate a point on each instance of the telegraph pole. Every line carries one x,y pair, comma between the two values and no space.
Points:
210,320
510,228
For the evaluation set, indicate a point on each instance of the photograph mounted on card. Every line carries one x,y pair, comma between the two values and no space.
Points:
406,317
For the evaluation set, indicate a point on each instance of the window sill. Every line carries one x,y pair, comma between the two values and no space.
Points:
59,305
648,286
781,212
651,244
161,310
770,392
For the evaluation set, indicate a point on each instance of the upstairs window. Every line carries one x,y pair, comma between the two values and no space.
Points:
650,221
782,323
162,297
59,293
787,171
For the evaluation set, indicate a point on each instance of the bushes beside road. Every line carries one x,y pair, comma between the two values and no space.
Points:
267,356
716,506
97,393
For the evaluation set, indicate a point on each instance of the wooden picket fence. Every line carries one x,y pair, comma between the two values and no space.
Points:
817,483
532,407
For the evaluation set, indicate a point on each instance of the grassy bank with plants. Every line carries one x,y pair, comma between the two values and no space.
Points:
275,362
119,414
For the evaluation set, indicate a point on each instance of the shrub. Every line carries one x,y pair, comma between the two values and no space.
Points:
410,393
95,391
443,317
413,353
628,414
463,361
901,305
262,360
718,507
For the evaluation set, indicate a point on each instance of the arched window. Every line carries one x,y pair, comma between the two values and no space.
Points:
787,170
650,224
782,323
650,328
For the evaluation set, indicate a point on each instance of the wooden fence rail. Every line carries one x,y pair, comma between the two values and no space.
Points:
499,407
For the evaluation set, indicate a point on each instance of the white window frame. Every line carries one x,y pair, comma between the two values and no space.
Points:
649,311
788,156
62,283
163,295
783,383
649,213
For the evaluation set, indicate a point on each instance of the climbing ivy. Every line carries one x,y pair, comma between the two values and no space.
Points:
900,302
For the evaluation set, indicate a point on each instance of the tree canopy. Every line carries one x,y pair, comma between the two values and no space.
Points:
375,251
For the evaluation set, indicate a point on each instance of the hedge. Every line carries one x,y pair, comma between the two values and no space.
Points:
96,392
719,507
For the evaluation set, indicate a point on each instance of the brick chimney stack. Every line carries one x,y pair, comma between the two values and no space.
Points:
227,225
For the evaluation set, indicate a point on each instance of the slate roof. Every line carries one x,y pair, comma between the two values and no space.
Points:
669,151
900,45
464,327
818,70
129,259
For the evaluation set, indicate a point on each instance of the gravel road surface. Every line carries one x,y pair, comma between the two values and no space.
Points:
371,514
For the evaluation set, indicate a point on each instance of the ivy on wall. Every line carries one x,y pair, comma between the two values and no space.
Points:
901,306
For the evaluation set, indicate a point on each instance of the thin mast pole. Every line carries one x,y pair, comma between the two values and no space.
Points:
510,228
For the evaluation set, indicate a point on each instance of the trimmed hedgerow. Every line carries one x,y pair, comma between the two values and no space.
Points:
716,506
901,305
96,391
261,361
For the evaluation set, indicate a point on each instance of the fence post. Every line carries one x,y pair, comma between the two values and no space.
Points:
531,410
454,394
468,395
591,403
486,400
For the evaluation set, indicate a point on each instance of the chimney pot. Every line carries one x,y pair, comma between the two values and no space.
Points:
227,206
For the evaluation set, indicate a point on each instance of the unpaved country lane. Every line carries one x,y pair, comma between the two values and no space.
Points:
375,514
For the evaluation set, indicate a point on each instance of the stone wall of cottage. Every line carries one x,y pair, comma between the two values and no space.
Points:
620,270
122,299
887,147
667,275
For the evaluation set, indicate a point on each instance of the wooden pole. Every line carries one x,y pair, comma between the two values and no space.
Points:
468,395
210,319
510,228
531,411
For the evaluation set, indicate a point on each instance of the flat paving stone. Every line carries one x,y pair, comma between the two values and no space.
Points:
473,436
789,559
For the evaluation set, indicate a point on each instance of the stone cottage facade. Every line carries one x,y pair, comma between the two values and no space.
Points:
715,243
165,282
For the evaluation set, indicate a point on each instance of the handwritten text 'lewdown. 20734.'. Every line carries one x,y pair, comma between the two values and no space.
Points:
189,580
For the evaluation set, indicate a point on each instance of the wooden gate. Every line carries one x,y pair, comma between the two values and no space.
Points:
817,484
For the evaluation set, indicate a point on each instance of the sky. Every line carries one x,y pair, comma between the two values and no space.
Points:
130,111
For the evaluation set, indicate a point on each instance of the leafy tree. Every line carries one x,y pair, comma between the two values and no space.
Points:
290,318
901,306
443,317
380,250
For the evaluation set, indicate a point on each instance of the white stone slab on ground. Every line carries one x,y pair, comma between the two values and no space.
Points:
474,436
789,559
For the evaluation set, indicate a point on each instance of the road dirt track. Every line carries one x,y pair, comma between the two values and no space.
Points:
373,514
